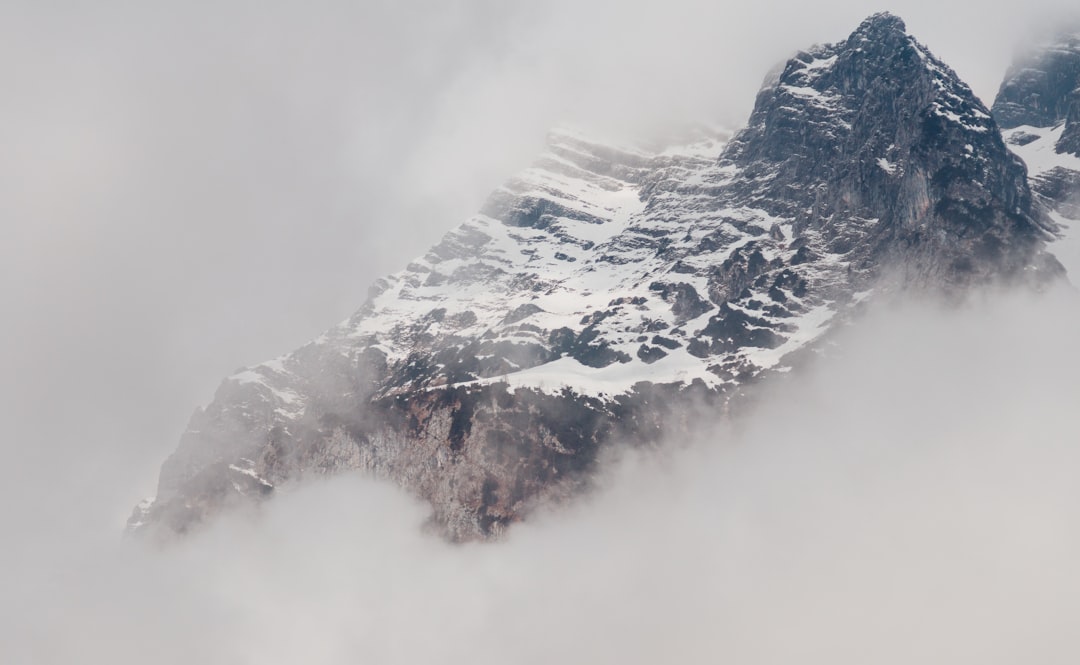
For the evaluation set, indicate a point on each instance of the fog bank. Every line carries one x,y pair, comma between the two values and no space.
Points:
913,499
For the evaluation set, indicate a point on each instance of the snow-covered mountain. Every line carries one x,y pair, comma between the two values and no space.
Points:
606,287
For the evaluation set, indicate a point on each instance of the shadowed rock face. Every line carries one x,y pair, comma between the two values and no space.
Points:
887,133
602,293
1038,106
1042,89
1039,88
1070,138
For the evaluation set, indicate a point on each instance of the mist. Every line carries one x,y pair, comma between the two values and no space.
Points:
186,188
913,499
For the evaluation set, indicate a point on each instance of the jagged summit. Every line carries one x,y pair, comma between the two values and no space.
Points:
879,25
598,291
875,130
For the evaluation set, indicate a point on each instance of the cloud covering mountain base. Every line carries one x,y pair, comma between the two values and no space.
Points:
911,499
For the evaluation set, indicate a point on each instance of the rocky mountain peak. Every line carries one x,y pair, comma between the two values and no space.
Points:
881,27
876,133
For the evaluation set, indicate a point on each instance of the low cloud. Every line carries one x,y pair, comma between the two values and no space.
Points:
913,498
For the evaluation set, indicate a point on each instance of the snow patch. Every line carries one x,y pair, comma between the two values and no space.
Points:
887,166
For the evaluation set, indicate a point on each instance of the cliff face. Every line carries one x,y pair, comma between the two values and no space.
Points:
875,132
605,289
1039,89
1038,107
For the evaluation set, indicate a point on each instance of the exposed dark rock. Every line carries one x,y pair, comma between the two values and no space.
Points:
1070,138
1038,89
665,342
1061,188
1042,90
737,272
531,212
734,329
686,304
650,354
1022,138
520,313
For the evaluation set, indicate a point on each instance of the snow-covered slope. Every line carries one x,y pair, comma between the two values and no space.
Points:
601,289
1055,177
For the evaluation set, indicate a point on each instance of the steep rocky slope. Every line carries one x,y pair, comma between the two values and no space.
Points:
1038,107
604,289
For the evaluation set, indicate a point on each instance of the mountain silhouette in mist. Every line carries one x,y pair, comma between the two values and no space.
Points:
607,287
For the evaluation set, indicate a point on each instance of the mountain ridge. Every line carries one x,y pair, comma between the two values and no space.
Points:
602,288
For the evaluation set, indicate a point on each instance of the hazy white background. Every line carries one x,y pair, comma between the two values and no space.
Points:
186,188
